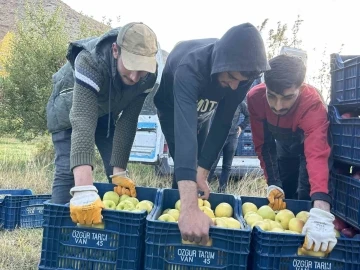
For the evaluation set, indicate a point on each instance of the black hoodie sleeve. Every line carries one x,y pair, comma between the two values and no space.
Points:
186,91
219,129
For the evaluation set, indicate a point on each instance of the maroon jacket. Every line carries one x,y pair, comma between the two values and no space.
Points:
305,125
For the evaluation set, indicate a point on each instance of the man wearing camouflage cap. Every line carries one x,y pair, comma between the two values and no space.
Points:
96,100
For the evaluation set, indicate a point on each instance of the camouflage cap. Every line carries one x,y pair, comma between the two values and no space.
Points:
138,45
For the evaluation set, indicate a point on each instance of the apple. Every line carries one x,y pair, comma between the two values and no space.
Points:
174,213
303,215
125,205
346,115
109,204
149,202
187,242
303,251
356,175
112,196
339,224
337,233
207,211
220,222
348,232
166,210
265,226
284,217
266,212
99,225
296,225
167,218
133,200
223,210
249,213
177,205
251,219
123,197
207,203
200,202
248,207
232,223
144,205
275,225
279,230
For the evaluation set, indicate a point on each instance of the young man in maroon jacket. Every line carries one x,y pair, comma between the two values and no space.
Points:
289,125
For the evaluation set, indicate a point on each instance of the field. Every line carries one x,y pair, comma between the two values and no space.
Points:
30,165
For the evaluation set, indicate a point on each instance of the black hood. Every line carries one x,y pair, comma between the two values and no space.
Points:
241,48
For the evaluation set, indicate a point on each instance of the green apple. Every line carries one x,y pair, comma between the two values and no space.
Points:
248,207
174,213
109,204
223,210
221,222
265,226
284,217
112,196
303,215
296,225
124,197
232,223
149,202
266,212
133,200
167,218
99,226
177,205
125,205
207,203
207,211
167,210
251,219
144,205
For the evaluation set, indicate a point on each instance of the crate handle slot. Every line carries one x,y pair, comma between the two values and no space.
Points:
186,242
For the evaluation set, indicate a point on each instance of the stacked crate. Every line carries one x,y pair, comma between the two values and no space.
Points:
344,111
245,142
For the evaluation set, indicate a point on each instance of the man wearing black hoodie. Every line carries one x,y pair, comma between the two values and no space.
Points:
200,76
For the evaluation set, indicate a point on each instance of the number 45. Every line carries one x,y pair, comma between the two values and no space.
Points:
207,261
99,243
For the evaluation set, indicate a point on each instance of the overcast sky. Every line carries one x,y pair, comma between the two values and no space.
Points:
327,23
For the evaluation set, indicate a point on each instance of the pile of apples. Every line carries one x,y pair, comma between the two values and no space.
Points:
345,229
221,215
124,202
267,219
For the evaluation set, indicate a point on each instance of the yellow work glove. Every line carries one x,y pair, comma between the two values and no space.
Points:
85,205
124,185
276,196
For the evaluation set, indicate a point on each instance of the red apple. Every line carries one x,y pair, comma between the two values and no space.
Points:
339,224
346,115
348,232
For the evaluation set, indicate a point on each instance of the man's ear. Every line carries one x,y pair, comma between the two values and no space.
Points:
115,51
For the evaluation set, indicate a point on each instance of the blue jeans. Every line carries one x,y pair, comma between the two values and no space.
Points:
63,176
228,151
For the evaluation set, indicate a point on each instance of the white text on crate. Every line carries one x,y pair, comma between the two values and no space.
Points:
309,265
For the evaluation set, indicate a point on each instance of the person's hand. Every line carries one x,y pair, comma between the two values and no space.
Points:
239,131
276,196
202,183
194,225
85,205
319,231
124,185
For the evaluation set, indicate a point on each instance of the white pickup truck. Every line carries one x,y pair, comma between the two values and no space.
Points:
150,147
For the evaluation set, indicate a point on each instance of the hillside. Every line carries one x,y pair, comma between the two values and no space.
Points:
10,8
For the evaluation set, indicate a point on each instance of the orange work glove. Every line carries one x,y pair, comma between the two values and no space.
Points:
276,196
124,184
85,205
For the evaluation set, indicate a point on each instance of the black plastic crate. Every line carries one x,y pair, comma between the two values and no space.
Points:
164,249
274,251
346,137
119,245
18,208
345,79
346,201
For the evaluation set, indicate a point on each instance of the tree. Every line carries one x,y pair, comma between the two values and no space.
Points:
5,52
